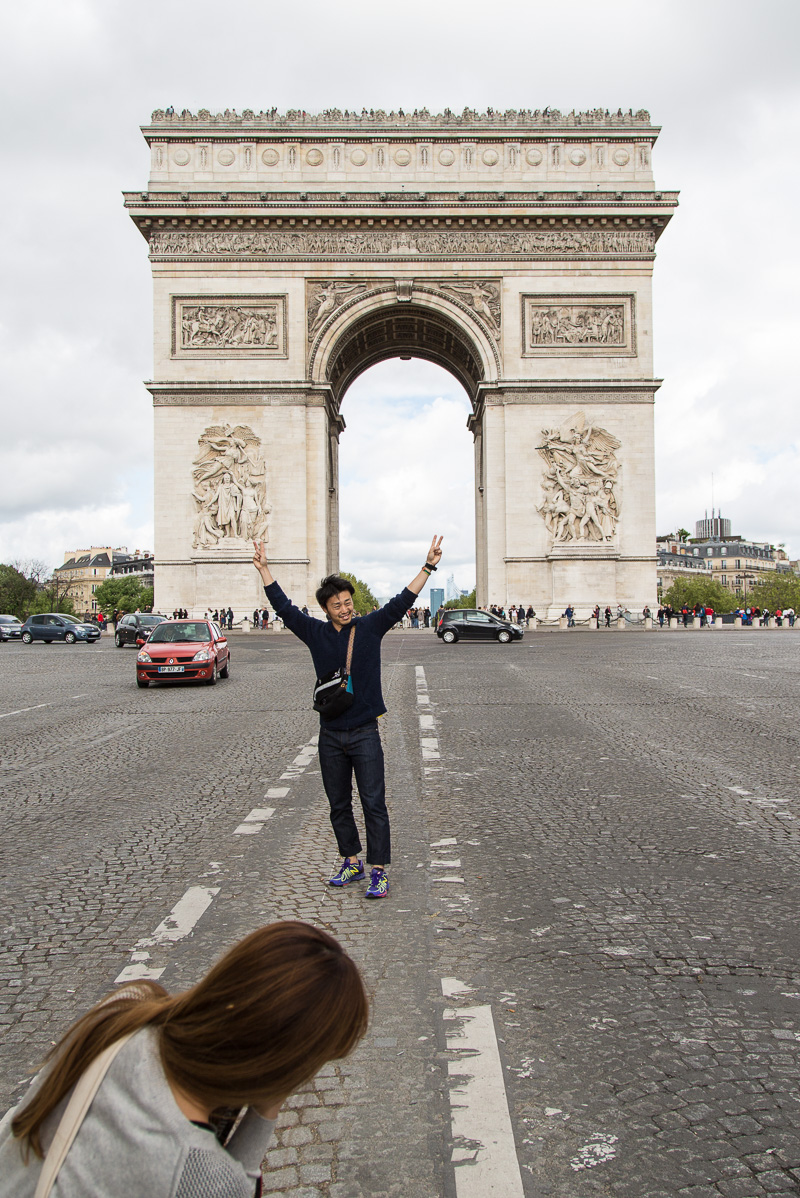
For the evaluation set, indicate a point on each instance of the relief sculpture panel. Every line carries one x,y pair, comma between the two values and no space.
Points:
580,484
565,325
252,326
229,488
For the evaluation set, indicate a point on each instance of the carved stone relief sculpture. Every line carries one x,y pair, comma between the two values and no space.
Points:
481,296
323,299
580,483
226,326
230,488
563,325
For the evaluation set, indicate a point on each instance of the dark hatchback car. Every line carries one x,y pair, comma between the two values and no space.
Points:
57,626
10,628
469,624
135,628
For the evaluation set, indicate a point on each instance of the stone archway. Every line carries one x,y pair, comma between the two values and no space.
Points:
290,253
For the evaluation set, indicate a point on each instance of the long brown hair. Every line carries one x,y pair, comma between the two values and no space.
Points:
278,1006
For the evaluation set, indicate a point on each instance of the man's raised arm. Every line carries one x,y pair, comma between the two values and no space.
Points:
260,563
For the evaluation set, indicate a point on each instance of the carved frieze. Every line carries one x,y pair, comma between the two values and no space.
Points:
481,296
229,488
325,298
565,325
492,117
422,243
580,483
226,326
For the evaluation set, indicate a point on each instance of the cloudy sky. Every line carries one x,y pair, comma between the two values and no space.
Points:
80,76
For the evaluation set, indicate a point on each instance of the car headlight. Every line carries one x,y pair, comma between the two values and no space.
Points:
202,655
142,656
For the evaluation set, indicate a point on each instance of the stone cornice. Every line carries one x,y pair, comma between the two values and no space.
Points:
258,392
297,123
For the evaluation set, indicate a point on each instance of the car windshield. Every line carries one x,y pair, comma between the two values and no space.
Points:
151,620
174,633
9,620
70,619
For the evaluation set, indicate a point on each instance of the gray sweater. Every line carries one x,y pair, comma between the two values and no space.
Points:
136,1143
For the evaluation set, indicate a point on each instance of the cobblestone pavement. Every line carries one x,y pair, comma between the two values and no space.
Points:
597,839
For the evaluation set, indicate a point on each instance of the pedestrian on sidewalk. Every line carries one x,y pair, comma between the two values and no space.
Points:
350,742
280,1004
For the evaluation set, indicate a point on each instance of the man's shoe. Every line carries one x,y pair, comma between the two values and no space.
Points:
378,885
347,874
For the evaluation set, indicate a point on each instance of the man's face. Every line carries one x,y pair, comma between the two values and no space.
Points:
340,608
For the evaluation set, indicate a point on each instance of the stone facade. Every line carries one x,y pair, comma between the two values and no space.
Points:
290,252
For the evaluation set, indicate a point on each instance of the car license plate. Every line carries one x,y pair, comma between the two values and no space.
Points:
170,669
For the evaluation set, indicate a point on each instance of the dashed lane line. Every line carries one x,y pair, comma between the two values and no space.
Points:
22,710
484,1154
179,923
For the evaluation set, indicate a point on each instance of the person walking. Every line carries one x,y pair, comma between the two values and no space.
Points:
148,1069
350,742
607,614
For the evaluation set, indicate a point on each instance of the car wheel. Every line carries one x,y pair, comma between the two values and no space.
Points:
503,636
118,641
26,638
142,682
70,638
449,637
212,681
225,672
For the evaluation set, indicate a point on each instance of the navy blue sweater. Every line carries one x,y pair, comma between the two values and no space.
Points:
329,650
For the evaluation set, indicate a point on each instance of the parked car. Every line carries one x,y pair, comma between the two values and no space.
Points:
184,649
58,626
469,624
10,628
135,628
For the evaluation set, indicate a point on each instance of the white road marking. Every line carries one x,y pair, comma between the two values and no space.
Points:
259,813
484,1154
277,792
737,790
254,822
247,829
439,844
179,923
454,863
22,710
449,878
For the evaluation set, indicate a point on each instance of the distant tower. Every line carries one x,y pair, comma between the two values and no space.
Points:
437,599
715,527
452,590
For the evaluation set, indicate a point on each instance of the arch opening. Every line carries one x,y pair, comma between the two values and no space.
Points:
406,470
404,330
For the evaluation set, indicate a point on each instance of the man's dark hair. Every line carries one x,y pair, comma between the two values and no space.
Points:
334,584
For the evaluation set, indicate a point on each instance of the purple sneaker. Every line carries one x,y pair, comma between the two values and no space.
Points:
378,885
347,874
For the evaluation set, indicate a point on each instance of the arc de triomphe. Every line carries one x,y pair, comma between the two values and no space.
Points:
290,252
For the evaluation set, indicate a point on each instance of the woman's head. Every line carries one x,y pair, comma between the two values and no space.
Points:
267,1017
278,1006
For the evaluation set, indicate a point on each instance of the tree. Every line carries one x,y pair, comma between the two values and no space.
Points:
683,534
363,600
779,590
707,591
17,592
469,600
123,592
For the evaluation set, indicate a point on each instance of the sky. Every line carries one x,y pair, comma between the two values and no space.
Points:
78,78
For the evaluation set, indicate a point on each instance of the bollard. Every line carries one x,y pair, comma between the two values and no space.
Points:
245,625
648,621
695,622
621,622
533,623
737,621
673,621
562,621
593,623
771,622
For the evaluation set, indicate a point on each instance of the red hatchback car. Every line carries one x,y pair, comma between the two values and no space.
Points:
184,649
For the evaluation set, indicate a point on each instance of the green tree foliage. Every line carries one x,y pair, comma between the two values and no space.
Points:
780,590
17,592
123,592
699,590
469,600
363,600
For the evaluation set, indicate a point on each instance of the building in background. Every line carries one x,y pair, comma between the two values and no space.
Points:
437,600
141,563
733,561
85,570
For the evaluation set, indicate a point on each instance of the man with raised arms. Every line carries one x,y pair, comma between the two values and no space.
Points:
350,743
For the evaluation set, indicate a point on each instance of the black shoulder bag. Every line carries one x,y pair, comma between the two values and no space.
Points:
333,694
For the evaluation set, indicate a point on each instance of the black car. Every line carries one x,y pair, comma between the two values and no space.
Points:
135,628
469,624
10,628
58,626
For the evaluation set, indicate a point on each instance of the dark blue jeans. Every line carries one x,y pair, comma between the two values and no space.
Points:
341,753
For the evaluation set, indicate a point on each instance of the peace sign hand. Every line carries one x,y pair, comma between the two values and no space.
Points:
435,552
